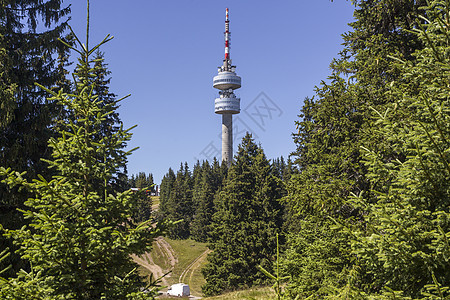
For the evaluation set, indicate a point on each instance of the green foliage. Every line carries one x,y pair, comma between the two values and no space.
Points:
205,188
248,216
112,122
167,183
188,198
334,125
27,55
145,187
80,235
277,278
316,260
142,181
404,247
180,206
143,209
336,121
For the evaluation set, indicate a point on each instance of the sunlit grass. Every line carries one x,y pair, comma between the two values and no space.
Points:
155,202
264,293
187,251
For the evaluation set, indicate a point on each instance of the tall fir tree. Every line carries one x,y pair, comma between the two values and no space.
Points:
27,119
145,187
334,124
112,122
180,206
203,197
246,222
167,184
403,250
142,180
80,235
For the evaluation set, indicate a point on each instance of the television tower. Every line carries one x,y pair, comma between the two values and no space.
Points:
227,104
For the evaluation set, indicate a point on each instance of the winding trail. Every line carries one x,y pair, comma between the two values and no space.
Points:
168,251
170,259
193,266
146,260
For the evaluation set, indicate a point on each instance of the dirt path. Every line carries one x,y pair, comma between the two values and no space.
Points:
167,250
146,260
193,266
198,262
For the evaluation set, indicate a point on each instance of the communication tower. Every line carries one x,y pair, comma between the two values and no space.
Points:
227,104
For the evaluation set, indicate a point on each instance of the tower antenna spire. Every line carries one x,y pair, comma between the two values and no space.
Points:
227,38
227,104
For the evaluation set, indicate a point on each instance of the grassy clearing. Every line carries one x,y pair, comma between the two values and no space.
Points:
159,257
155,202
187,251
264,293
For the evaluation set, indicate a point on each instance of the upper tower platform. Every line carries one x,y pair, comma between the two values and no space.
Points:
226,80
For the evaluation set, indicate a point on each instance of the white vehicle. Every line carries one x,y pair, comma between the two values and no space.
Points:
179,290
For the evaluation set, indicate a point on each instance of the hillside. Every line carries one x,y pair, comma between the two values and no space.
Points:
181,259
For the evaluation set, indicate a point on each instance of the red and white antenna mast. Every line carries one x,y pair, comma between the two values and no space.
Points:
227,36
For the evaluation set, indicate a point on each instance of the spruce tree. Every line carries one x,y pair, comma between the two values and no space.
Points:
245,224
101,89
336,121
27,55
112,121
80,236
167,184
203,197
143,181
180,206
145,187
333,126
404,249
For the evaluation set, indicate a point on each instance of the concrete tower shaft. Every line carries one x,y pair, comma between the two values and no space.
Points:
227,138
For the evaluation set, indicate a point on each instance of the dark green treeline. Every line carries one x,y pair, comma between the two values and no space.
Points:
366,214
191,196
369,209
363,211
237,210
80,233
29,52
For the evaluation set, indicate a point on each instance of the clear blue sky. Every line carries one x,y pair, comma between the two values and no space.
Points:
165,54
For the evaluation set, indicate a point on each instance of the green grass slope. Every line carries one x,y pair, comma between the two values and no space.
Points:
265,293
191,258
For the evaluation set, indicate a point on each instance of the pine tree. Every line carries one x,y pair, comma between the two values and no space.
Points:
196,173
333,126
112,121
245,224
145,187
180,206
167,184
404,248
203,196
143,181
27,55
101,89
80,235
336,122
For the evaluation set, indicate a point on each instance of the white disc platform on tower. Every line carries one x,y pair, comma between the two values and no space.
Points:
227,105
226,80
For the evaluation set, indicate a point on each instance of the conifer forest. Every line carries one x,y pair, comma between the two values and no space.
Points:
360,209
